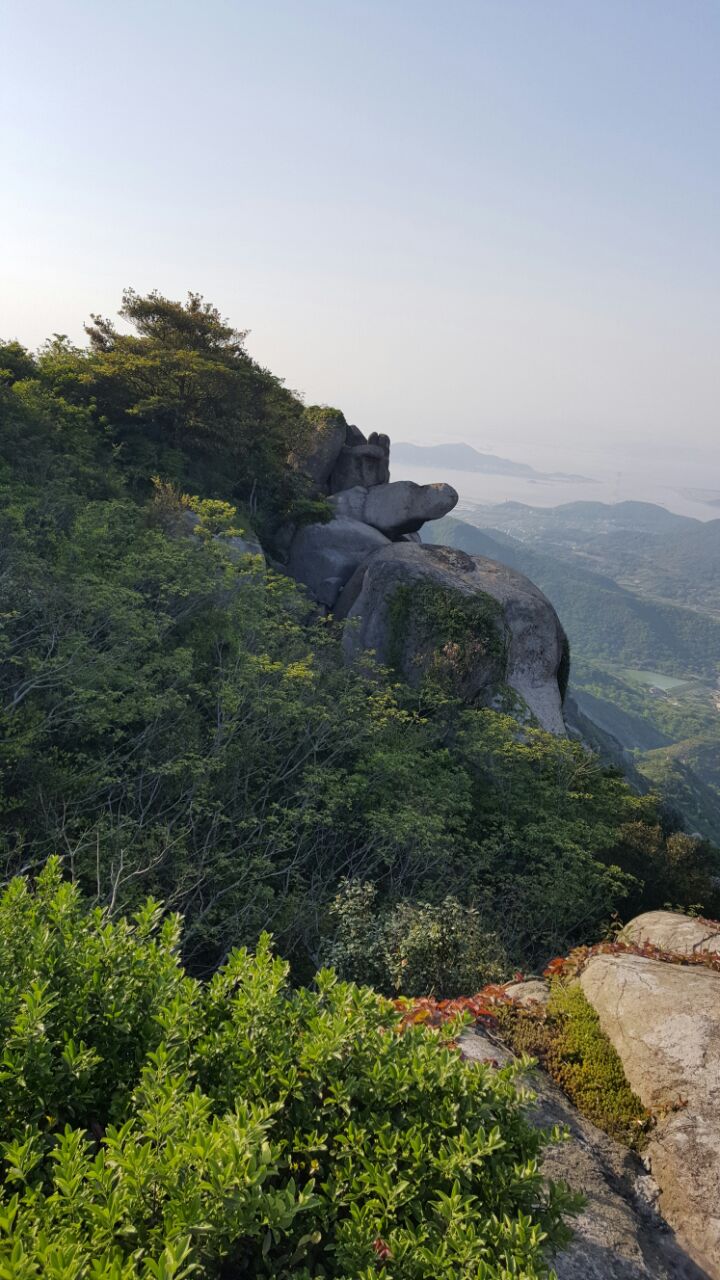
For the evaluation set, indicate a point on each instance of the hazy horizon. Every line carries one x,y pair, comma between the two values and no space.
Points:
485,222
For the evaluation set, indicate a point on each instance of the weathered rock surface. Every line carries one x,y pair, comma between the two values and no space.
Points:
324,556
664,1021
398,507
518,642
364,464
354,435
618,1236
672,931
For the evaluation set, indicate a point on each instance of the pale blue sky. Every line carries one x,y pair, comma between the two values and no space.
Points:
496,221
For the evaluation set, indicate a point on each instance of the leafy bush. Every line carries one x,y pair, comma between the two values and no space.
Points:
413,948
157,1127
568,1040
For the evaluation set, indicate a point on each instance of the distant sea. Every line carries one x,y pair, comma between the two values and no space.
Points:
686,487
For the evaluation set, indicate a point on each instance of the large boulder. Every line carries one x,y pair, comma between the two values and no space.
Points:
672,931
324,556
364,464
664,1021
396,508
483,627
354,435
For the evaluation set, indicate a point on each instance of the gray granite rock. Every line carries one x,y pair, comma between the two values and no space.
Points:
364,464
619,1235
324,556
673,931
318,458
664,1021
398,507
517,646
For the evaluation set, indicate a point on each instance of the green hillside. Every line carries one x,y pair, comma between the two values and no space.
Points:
655,552
179,721
181,732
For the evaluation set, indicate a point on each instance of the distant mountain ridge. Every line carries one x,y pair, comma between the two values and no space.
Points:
655,552
462,457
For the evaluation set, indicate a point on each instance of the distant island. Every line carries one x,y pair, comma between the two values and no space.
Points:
462,457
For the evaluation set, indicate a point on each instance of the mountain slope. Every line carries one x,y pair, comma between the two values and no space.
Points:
662,555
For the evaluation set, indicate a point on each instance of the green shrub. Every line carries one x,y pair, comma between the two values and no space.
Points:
413,948
216,518
569,1042
158,1127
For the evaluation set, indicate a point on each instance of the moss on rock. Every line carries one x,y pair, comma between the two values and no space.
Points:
450,632
568,1041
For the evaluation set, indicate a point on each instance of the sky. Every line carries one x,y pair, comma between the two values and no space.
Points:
495,221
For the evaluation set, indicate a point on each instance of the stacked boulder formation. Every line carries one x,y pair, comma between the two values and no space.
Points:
369,512
484,627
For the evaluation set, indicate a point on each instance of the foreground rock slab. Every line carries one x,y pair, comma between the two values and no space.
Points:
672,931
664,1021
619,1236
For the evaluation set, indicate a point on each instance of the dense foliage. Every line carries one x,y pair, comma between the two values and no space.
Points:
178,721
153,1126
410,947
179,397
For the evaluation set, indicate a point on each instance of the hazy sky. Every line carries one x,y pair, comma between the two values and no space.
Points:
491,220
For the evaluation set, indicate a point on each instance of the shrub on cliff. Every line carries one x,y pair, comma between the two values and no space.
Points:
413,948
566,1037
156,1127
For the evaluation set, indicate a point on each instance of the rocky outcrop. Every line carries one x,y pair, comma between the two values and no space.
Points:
324,556
672,931
396,508
363,464
529,992
619,1235
664,1021
481,625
